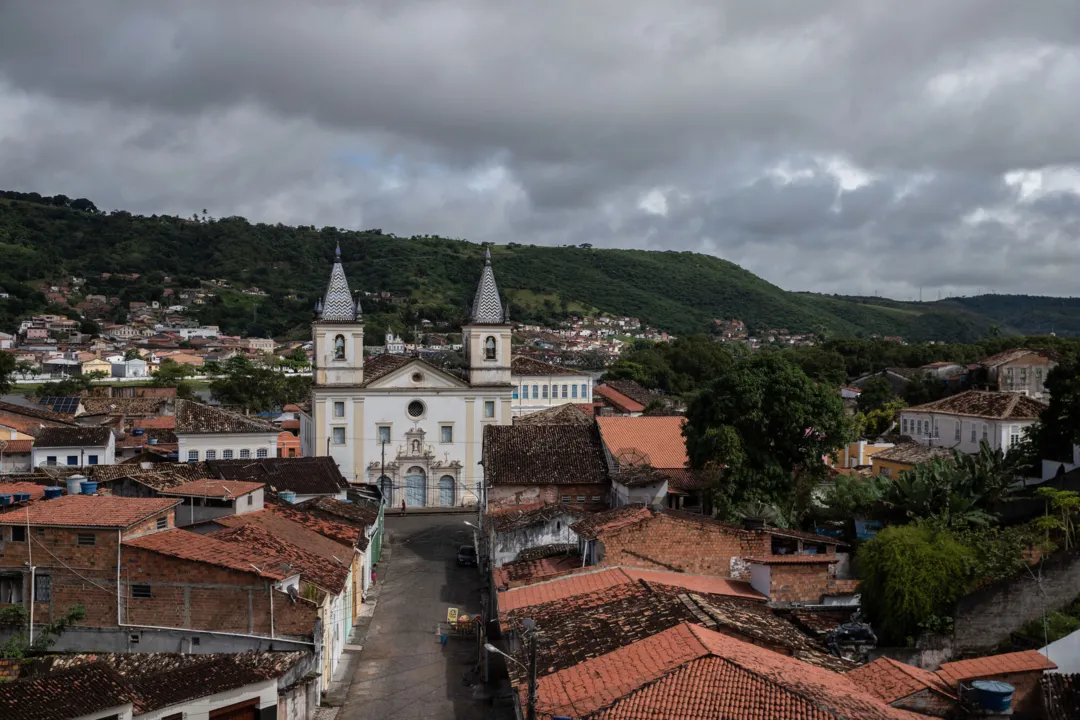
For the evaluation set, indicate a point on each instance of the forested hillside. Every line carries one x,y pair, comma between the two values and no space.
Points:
47,238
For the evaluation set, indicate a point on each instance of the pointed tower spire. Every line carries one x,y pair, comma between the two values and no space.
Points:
487,307
338,305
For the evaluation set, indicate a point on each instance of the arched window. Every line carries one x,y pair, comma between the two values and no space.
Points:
489,348
339,347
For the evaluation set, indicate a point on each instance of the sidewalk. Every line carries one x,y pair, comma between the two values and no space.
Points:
335,695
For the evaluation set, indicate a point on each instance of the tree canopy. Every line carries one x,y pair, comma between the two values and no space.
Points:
251,387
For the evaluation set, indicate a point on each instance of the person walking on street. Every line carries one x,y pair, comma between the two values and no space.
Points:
402,507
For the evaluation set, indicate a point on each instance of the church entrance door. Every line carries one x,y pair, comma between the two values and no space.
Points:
446,490
414,487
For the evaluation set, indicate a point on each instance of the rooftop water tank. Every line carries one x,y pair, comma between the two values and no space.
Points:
51,493
22,497
74,484
138,431
5,500
993,695
288,496
89,487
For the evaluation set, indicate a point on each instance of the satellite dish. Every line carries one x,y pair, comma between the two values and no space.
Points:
631,457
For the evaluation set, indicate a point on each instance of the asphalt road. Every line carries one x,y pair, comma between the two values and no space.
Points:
404,672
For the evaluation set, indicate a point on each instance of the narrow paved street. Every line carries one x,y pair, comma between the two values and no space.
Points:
403,671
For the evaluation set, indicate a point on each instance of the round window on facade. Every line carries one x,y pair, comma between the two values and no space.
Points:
417,377
416,409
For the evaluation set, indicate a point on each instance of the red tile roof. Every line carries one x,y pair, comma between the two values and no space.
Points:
528,571
186,545
164,422
287,529
290,424
593,525
323,572
617,399
213,488
104,511
36,491
891,680
582,583
689,672
16,446
657,441
1025,661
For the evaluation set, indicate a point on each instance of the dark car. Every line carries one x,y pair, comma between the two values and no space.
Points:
466,555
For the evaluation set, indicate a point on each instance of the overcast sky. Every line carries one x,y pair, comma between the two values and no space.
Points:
848,146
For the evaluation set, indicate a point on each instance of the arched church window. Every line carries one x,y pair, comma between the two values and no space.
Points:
339,347
489,348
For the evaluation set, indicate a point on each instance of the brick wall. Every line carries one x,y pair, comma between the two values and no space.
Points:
149,525
504,495
927,702
666,543
798,583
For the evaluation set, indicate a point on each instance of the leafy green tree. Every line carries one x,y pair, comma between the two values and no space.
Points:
764,421
1059,425
254,388
172,374
820,364
15,618
89,327
924,388
876,393
132,354
8,368
911,577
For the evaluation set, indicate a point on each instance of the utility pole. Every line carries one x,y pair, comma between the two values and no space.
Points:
531,713
382,469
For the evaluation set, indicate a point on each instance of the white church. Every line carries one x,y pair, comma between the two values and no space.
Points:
410,427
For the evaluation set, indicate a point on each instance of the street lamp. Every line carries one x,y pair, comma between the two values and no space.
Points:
531,641
492,649
471,525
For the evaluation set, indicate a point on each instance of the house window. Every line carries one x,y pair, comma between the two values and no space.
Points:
536,391
489,348
245,454
11,589
86,539
581,499
42,588
91,460
251,499
973,431
73,459
903,426
50,459
162,523
211,454
565,389
339,409
886,472
142,592
339,436
226,454
489,408
384,434
261,453
514,394
957,438
985,433
573,391
447,433
193,456
1014,435
524,392
584,391
596,498
545,390
339,347
18,533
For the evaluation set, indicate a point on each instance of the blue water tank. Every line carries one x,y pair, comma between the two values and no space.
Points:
993,695
138,432
51,493
288,496
22,497
5,500
89,487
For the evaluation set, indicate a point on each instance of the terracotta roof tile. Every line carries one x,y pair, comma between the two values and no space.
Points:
617,399
664,676
381,365
323,572
80,691
304,476
36,491
543,455
101,511
1007,356
16,446
911,453
1060,695
522,365
891,680
593,525
1025,661
656,441
530,571
38,413
985,404
51,437
213,488
164,422
360,514
289,526
198,680
634,391
124,406
198,418
186,545
564,414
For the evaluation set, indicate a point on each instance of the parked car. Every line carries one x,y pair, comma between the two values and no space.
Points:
466,556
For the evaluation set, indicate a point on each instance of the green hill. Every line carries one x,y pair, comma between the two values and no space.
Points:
47,238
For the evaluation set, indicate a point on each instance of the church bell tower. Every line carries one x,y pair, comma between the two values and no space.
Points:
337,334
486,334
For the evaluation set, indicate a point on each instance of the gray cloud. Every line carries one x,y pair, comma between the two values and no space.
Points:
838,146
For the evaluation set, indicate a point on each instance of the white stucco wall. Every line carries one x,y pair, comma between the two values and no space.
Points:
550,383
226,441
998,432
761,578
191,512
648,494
1065,652
265,693
507,545
106,455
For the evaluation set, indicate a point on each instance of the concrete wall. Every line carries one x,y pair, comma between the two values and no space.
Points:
985,618
760,579
578,390
596,495
647,494
264,694
507,545
138,639
195,510
105,455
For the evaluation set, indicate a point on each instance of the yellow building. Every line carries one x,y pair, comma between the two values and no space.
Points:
895,460
857,454
97,365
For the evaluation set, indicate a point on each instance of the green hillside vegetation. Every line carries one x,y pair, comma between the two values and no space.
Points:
48,238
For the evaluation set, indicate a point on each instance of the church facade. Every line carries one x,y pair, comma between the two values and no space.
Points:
398,421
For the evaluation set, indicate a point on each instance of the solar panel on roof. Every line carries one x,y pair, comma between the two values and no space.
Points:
61,403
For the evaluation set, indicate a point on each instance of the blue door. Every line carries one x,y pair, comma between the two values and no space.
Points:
446,490
414,488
